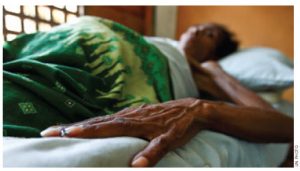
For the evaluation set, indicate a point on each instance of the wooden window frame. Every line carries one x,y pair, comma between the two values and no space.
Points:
36,18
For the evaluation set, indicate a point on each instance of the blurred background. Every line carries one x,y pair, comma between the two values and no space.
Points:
271,26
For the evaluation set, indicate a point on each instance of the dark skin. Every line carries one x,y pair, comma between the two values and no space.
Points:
205,36
172,124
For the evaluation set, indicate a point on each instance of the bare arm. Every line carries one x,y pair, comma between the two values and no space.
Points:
170,125
210,77
252,119
232,88
261,124
249,123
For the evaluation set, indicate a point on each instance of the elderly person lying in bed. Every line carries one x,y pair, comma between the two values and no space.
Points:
107,75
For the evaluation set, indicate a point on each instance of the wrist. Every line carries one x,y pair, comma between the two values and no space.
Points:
204,113
217,72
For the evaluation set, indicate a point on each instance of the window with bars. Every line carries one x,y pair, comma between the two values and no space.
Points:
29,19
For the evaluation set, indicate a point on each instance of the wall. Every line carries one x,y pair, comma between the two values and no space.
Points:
260,25
138,18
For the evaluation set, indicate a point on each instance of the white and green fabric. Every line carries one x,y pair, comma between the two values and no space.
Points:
77,71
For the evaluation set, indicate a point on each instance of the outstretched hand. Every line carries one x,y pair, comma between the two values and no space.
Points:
166,125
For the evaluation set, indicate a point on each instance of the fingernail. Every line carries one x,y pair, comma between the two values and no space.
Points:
140,162
74,130
50,132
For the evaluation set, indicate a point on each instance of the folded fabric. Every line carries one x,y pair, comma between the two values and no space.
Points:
90,67
260,68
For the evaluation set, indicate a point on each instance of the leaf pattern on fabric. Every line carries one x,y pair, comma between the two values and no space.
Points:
76,71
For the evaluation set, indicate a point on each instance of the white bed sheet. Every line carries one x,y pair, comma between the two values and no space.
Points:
206,149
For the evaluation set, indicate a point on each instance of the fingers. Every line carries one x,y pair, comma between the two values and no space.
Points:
156,149
115,127
196,65
161,145
55,131
132,112
210,64
51,131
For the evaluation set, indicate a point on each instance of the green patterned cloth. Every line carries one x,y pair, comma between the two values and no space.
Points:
76,71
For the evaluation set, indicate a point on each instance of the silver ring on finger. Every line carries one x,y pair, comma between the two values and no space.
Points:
63,132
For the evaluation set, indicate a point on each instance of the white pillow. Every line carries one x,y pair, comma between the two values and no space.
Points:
260,68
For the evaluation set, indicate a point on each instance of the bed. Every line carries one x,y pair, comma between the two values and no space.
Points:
206,149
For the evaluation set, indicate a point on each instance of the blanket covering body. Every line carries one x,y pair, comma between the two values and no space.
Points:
76,71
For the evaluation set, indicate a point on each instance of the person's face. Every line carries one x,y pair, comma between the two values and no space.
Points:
200,42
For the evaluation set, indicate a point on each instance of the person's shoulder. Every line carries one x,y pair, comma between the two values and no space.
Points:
169,47
183,83
165,40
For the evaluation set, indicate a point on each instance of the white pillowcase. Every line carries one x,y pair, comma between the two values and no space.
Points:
260,68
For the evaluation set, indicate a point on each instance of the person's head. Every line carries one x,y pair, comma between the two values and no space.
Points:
208,42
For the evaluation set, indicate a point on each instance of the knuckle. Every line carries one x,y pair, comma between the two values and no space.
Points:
119,120
162,141
126,123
